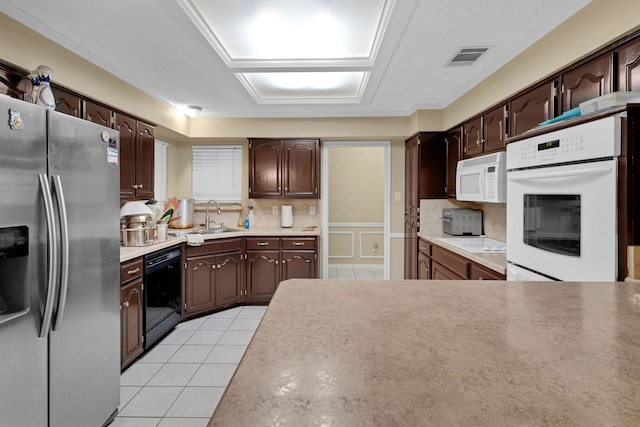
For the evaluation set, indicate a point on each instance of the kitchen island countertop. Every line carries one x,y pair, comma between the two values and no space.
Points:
414,353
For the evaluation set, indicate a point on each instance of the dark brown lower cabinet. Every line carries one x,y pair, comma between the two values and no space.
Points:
214,276
263,274
131,308
438,263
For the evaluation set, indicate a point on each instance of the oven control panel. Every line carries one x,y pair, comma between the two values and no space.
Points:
587,141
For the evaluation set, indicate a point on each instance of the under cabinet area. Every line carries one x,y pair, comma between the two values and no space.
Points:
438,263
131,311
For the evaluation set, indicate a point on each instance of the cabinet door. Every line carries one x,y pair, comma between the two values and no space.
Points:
586,82
67,102
144,161
532,107
300,169
629,66
478,272
265,168
298,265
439,272
126,126
424,267
472,143
228,281
453,144
494,125
411,177
131,307
97,114
263,275
410,247
199,286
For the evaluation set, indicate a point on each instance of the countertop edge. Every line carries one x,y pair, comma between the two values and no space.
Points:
495,262
129,253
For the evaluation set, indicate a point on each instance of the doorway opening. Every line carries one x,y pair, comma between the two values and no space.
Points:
356,184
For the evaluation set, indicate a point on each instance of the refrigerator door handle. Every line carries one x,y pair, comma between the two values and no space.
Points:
64,249
52,266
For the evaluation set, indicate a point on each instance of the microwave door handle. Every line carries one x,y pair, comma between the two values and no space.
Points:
52,255
559,175
483,176
64,246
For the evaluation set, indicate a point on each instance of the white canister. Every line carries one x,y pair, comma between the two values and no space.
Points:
287,216
162,231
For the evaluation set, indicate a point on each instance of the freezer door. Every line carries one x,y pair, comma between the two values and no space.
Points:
85,337
23,257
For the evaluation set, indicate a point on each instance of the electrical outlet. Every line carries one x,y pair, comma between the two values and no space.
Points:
398,196
274,210
312,210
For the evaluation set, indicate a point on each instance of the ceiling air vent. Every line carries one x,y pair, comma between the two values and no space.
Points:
467,55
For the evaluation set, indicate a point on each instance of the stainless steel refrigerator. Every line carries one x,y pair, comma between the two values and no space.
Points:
59,269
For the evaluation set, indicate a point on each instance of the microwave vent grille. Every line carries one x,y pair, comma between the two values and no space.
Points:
491,158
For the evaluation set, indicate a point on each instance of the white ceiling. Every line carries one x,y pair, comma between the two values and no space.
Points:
189,51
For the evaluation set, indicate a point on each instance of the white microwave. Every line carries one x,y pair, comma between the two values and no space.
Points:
482,179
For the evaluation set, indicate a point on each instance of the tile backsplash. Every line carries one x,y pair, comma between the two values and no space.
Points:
494,216
262,210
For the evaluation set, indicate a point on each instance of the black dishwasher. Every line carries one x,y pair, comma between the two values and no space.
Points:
161,293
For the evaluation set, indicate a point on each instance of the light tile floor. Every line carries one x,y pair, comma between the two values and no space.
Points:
356,273
179,382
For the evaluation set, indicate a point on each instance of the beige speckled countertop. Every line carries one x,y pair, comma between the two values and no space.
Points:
496,262
128,253
441,353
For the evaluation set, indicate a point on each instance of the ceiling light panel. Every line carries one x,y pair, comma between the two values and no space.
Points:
291,30
307,87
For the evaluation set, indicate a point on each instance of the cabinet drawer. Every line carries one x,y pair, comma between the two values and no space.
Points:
130,270
298,243
263,243
214,246
424,247
453,262
479,272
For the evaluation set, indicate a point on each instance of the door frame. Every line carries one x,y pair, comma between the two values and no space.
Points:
326,145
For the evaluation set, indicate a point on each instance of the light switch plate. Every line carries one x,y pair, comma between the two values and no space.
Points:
398,196
312,210
274,210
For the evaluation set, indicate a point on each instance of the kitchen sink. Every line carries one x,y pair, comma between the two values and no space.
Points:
216,230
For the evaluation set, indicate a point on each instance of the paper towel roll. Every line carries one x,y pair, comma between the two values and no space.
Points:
287,216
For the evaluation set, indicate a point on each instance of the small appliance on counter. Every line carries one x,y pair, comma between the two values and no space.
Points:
462,222
136,224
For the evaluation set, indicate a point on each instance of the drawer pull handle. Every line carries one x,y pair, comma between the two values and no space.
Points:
133,271
263,243
298,243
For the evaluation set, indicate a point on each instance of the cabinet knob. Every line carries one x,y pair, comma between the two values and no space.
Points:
279,188
126,304
286,189
140,185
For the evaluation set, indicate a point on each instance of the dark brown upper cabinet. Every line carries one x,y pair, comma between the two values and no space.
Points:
472,138
587,81
284,168
629,66
97,113
67,102
532,107
424,169
453,150
495,129
136,158
13,82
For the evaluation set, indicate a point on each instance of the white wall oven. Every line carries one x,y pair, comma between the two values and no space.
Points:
562,204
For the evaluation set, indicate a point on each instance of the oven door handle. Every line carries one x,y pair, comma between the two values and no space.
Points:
559,175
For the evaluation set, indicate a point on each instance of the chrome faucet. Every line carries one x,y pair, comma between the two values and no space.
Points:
207,219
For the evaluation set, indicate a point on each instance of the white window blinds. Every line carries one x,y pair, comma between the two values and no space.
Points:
160,170
217,173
